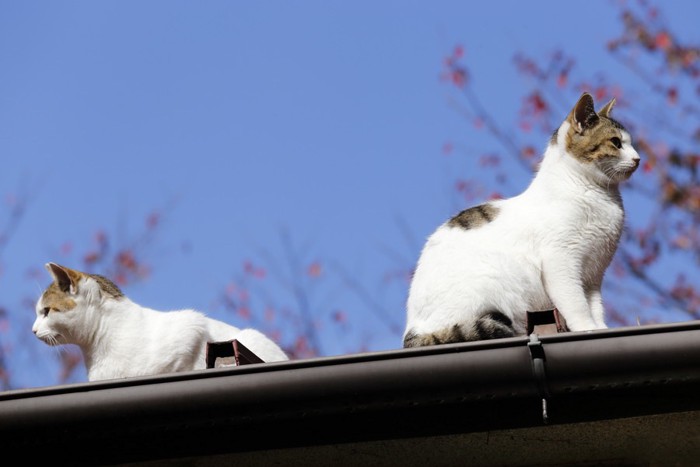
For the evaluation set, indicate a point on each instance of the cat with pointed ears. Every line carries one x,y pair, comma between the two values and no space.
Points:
548,247
119,338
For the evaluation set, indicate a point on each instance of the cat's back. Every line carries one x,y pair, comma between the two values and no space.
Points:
193,329
486,229
170,331
184,321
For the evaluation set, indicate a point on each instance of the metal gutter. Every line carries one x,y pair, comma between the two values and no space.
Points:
456,388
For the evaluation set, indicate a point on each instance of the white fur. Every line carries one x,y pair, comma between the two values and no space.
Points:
547,247
119,338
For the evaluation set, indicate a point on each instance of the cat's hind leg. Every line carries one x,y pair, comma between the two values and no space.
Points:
444,336
490,325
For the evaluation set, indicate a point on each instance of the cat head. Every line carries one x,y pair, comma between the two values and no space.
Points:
598,142
68,306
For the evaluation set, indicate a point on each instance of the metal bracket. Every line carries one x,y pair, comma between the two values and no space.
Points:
545,322
539,372
218,352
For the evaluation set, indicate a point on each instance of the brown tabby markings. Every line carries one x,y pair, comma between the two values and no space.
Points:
491,325
55,299
597,143
107,286
593,140
474,217
446,336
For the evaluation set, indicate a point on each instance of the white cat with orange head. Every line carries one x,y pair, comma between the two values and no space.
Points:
119,338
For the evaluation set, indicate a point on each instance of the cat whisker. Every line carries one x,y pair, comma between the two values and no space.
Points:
38,287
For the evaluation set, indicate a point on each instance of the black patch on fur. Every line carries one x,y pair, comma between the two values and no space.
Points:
494,325
474,217
411,339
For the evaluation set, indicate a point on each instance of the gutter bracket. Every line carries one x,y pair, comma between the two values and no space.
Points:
217,354
538,370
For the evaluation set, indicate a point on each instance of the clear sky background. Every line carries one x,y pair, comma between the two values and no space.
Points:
325,118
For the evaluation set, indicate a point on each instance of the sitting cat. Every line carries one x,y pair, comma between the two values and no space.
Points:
481,271
119,338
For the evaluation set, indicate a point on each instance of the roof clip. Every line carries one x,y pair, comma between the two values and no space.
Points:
538,370
228,353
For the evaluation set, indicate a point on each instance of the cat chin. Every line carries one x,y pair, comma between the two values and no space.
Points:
624,174
51,339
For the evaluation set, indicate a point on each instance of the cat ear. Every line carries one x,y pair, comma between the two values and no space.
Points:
66,278
583,116
605,111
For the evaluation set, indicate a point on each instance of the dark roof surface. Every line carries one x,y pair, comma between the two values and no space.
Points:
411,404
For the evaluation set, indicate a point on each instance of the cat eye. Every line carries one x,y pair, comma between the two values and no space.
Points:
616,142
45,311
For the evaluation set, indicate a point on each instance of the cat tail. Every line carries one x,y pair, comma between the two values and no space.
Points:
490,325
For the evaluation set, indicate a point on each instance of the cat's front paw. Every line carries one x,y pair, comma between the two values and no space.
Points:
585,327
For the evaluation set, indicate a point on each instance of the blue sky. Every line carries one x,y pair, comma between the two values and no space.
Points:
326,118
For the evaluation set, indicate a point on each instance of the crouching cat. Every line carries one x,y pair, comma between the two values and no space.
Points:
119,338
481,271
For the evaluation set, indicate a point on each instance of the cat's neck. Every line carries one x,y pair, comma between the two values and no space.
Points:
111,326
560,172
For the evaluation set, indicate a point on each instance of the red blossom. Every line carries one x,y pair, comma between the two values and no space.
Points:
66,248
600,93
663,40
153,220
459,77
301,347
269,314
100,237
489,160
672,95
447,148
231,288
682,241
314,269
562,79
252,270
91,257
244,312
126,259
243,295
528,152
525,126
340,317
120,278
537,103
